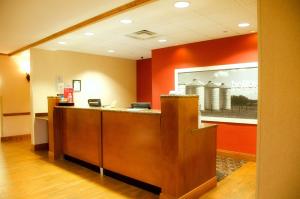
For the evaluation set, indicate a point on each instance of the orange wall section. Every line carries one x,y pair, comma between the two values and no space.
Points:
14,87
231,50
15,98
144,80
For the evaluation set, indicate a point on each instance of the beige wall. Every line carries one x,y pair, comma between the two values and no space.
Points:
1,118
111,79
279,118
14,90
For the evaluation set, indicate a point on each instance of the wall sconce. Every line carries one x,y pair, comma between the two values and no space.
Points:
28,77
23,61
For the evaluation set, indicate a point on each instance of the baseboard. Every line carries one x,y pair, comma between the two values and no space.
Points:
16,114
16,138
237,155
41,147
51,156
202,189
41,114
195,193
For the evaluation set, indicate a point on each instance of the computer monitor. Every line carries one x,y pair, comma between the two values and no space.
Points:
145,105
94,102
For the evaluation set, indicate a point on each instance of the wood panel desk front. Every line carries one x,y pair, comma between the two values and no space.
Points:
165,149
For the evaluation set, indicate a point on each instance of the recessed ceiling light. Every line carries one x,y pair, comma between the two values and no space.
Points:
111,51
89,33
162,40
243,25
62,42
182,4
126,21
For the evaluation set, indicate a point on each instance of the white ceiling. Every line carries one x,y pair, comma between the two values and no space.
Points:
203,20
25,21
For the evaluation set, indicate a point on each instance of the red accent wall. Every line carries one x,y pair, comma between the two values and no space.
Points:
236,137
144,80
231,50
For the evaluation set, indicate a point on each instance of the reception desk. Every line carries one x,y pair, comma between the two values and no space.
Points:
166,148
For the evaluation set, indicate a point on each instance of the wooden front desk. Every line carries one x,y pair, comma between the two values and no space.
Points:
166,149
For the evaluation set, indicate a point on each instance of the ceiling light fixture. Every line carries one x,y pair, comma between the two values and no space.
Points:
62,42
243,25
162,40
126,21
182,4
111,51
89,33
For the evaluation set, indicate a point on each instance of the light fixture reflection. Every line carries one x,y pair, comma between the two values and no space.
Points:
162,40
126,21
62,42
182,4
243,25
89,33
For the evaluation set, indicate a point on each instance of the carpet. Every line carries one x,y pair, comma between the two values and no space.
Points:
227,165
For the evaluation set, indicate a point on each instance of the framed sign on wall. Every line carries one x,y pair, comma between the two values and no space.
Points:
227,93
77,85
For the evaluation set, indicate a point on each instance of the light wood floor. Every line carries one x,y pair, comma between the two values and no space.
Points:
238,185
28,175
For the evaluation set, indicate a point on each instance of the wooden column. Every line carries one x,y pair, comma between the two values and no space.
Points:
189,153
52,102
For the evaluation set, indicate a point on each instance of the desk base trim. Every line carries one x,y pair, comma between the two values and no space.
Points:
40,147
195,193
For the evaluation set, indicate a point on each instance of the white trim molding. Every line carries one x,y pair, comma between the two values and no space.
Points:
228,120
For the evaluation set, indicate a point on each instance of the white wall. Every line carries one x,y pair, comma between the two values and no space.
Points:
110,79
16,125
279,103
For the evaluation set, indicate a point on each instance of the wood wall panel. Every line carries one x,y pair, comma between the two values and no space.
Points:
81,134
131,145
189,152
199,148
52,102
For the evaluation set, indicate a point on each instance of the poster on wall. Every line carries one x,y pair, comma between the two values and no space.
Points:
68,94
227,93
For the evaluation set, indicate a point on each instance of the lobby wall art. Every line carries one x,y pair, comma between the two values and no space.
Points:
227,93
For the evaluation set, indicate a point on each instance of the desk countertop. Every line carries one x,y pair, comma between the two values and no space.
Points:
128,110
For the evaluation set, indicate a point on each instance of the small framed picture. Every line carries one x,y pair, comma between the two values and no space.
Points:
77,85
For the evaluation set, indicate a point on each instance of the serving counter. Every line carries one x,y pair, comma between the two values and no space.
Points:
163,148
